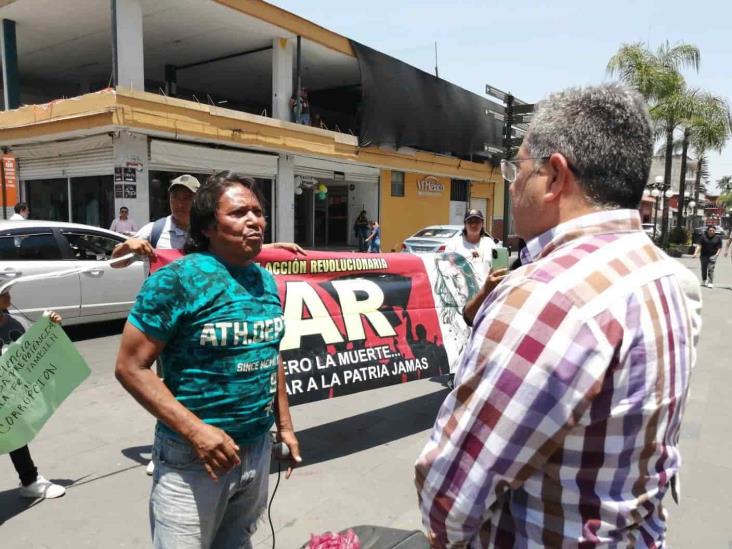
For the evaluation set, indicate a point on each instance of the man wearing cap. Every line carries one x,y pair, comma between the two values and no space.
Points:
167,233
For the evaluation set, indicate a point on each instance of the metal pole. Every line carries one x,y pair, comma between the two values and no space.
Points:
297,69
115,67
508,117
655,218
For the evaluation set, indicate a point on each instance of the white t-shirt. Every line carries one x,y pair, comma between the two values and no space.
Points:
481,264
16,217
126,226
171,238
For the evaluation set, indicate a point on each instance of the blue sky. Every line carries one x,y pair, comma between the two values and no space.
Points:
532,48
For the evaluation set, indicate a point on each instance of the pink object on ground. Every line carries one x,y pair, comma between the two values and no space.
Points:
329,540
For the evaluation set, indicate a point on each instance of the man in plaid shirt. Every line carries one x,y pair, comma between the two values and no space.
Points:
563,426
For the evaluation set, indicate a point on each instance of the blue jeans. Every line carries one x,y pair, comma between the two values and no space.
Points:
188,510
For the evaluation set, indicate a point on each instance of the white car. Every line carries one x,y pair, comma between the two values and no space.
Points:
430,239
40,247
650,229
433,239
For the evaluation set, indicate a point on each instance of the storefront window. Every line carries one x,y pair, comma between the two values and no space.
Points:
92,200
48,199
459,190
397,183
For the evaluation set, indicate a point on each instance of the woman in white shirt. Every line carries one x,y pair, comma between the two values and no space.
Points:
473,243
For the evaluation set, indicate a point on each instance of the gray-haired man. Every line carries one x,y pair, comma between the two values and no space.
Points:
563,426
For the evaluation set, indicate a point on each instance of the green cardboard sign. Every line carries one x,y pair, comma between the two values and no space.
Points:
37,373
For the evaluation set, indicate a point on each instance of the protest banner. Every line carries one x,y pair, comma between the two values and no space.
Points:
37,373
355,322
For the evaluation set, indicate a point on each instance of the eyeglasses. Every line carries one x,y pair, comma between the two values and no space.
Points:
510,168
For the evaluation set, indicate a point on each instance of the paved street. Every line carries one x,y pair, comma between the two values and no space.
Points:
358,453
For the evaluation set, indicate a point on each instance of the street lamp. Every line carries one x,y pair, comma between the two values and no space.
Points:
659,190
653,193
690,206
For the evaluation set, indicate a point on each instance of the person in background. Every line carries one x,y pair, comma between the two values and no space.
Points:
223,389
473,243
21,212
729,241
123,224
32,484
361,230
708,250
300,107
166,233
563,427
374,238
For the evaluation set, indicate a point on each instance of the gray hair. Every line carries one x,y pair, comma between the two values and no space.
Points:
605,134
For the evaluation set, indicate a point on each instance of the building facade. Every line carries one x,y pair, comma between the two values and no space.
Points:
231,96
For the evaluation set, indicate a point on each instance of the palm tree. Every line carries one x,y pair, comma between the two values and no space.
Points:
706,128
725,184
710,127
652,74
656,76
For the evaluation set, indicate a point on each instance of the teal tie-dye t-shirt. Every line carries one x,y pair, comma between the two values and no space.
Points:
222,325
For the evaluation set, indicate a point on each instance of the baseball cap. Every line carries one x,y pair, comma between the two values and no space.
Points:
187,181
474,213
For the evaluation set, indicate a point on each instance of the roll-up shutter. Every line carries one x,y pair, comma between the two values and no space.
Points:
176,157
72,158
324,169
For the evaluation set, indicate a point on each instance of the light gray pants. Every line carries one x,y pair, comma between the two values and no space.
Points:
188,510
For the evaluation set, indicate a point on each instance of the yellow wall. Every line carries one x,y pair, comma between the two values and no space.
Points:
480,189
401,217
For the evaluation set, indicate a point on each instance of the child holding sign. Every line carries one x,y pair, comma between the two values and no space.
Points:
33,485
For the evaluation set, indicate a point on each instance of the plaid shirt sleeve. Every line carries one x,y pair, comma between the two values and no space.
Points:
531,370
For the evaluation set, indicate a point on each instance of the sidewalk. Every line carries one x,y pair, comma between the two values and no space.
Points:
359,452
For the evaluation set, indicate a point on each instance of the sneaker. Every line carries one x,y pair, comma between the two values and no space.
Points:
150,469
710,285
42,488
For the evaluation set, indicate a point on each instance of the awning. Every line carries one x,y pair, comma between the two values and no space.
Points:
402,106
173,156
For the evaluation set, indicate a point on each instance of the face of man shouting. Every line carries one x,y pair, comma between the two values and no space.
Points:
238,229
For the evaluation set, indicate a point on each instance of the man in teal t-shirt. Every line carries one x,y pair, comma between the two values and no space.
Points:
214,320
223,316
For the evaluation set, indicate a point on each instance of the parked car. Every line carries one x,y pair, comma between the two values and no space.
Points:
649,229
431,239
40,247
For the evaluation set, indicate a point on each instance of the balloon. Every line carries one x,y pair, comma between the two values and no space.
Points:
298,190
321,196
322,188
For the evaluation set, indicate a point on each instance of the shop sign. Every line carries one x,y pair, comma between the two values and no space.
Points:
429,186
130,175
10,179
